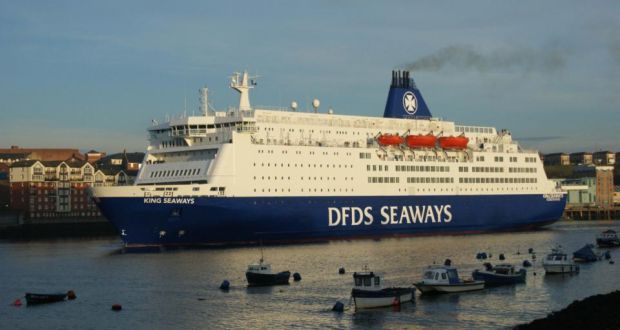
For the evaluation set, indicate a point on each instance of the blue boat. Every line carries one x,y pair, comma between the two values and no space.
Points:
251,174
586,254
503,274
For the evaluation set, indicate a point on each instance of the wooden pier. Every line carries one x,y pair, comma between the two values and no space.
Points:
592,213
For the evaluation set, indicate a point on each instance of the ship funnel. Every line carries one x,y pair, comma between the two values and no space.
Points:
404,98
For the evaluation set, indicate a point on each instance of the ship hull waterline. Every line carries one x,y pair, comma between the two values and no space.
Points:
193,221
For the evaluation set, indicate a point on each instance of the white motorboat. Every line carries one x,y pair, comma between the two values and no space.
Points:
445,279
557,262
368,291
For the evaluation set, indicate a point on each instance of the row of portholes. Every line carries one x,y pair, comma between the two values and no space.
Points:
302,165
268,190
477,190
309,178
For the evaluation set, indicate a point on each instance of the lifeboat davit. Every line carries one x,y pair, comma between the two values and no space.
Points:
453,142
421,141
390,140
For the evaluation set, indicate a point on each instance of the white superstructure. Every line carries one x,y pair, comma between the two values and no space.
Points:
257,151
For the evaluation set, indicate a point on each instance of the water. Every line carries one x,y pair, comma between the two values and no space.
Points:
166,290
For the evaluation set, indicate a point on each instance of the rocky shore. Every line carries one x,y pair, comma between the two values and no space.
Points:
595,312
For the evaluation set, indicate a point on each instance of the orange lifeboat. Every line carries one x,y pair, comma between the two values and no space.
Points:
453,142
390,140
421,141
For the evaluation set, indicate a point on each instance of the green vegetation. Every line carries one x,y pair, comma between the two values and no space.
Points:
559,171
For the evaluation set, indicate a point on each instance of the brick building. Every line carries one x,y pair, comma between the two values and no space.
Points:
600,180
58,154
604,158
58,188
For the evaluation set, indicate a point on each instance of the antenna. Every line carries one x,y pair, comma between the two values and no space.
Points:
242,84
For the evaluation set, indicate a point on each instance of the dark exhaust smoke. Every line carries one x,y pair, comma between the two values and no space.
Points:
467,58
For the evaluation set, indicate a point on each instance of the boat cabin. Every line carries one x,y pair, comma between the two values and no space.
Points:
556,256
367,281
441,275
504,269
608,234
261,268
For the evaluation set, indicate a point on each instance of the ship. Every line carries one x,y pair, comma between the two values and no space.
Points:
250,174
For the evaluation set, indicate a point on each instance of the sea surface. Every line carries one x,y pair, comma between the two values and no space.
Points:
179,289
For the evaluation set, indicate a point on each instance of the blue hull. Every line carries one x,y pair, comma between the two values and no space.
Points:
224,220
496,280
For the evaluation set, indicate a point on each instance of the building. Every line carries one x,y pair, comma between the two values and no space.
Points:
57,154
560,158
603,183
93,156
604,158
581,158
579,192
48,188
129,163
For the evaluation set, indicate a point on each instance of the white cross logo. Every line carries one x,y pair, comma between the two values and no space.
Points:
410,103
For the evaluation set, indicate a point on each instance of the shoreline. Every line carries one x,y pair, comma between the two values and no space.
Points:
594,312
29,229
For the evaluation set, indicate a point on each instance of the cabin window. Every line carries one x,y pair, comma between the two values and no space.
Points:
443,276
367,281
436,276
377,280
358,281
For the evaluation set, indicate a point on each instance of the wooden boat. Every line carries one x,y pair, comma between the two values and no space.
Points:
44,298
608,238
557,262
261,275
445,279
503,274
368,292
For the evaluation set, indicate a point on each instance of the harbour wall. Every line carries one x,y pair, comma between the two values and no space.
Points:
13,225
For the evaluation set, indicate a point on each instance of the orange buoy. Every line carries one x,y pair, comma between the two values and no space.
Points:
390,140
117,307
71,295
17,303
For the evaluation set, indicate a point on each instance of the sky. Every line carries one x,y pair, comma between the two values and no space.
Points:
93,74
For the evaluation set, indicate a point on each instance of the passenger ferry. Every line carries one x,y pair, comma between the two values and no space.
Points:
251,173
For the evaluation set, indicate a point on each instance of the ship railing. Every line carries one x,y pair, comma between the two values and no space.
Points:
189,132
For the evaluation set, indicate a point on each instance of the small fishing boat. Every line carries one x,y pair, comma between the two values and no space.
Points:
503,274
557,262
608,238
586,254
44,298
260,274
445,279
368,291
